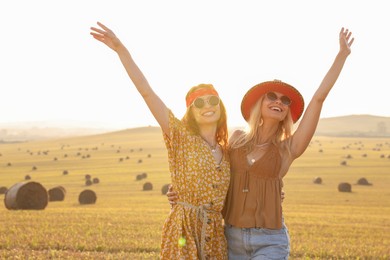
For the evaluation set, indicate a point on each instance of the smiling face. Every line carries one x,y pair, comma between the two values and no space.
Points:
208,112
275,106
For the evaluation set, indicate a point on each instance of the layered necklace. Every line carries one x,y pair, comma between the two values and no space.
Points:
213,148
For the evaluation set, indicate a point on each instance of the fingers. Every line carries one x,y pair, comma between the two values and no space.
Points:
103,26
350,43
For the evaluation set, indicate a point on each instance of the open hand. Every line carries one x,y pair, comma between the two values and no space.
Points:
106,36
345,41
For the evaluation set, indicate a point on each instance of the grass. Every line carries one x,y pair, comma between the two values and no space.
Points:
125,222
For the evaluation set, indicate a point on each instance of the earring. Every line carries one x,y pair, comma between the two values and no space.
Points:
261,122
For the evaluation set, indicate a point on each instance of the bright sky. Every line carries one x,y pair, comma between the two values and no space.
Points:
52,69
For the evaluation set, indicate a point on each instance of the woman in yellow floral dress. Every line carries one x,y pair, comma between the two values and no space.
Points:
198,163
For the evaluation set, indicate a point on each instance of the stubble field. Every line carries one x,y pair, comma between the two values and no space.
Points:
125,222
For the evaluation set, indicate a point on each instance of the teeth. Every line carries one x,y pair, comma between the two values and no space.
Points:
276,109
210,113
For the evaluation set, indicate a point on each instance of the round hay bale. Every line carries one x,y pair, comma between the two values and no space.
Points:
88,182
363,181
317,180
87,197
345,187
3,190
148,186
87,176
27,177
139,177
144,175
95,180
34,168
65,172
343,163
26,195
165,189
57,193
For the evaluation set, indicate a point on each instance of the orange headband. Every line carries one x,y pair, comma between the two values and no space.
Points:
199,93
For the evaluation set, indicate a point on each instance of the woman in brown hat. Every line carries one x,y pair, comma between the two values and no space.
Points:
261,157
197,153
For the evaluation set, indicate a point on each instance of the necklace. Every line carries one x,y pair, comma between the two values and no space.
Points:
258,146
213,148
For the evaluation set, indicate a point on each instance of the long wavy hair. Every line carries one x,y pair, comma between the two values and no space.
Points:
191,124
250,136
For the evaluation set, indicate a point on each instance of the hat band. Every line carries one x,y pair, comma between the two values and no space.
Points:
199,93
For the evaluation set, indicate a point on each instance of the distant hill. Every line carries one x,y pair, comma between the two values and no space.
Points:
354,125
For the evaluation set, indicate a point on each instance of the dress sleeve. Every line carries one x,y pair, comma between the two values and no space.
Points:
176,133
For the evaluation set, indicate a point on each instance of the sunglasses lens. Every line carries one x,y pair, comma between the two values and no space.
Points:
199,103
285,100
214,100
272,96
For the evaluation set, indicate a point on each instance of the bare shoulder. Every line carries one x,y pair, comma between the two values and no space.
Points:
235,135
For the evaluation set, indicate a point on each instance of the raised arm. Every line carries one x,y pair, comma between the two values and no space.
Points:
155,104
308,124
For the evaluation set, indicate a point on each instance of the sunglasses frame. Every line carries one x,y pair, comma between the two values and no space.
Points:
204,100
285,100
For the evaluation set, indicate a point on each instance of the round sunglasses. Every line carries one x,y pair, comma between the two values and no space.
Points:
201,102
273,97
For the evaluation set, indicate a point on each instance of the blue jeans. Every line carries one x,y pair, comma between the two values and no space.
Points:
257,243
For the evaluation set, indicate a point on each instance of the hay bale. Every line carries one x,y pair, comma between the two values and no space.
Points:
363,181
345,187
27,177
317,180
148,186
144,175
88,182
65,172
57,193
139,177
87,197
343,163
87,176
165,189
26,195
95,180
3,190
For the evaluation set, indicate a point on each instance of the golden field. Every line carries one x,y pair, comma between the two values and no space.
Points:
125,222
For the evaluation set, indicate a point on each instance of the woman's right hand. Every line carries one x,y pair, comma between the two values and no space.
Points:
172,196
106,36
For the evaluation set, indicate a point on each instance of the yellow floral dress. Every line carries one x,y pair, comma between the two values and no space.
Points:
194,227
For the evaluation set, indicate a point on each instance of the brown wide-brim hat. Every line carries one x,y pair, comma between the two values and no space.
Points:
252,96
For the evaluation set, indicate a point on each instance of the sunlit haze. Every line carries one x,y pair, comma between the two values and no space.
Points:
53,70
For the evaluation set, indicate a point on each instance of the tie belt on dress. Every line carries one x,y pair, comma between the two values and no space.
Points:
202,212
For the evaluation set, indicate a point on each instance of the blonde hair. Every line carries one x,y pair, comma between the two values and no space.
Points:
250,136
191,124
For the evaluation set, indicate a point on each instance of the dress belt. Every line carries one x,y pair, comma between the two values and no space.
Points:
202,212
